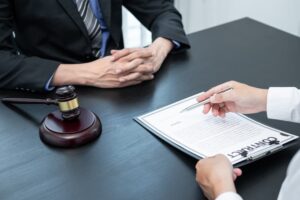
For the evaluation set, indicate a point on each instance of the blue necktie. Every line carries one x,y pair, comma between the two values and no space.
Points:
105,34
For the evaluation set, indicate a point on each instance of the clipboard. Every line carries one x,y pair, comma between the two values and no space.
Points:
277,140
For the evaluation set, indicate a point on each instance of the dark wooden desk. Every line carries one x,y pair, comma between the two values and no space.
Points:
129,163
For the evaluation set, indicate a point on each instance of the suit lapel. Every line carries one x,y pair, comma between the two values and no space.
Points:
71,9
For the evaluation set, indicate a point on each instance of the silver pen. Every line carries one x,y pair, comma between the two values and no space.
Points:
201,103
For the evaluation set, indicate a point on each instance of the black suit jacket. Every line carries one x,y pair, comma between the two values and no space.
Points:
38,35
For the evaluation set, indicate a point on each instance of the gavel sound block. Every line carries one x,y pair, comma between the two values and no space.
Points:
71,125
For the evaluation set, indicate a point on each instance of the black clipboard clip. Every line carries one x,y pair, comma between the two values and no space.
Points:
260,154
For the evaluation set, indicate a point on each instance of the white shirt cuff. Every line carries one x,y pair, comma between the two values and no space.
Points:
283,103
176,44
48,86
229,196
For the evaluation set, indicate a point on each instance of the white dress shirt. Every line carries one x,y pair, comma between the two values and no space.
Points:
283,103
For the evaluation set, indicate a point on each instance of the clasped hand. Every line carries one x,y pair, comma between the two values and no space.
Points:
133,65
123,68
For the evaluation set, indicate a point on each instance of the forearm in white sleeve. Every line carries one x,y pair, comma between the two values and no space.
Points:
283,103
229,196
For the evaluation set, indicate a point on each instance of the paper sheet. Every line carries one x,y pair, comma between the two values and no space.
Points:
206,135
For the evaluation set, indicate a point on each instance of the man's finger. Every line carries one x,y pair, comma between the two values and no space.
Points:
128,66
145,68
113,51
130,77
143,53
147,77
118,54
136,77
128,83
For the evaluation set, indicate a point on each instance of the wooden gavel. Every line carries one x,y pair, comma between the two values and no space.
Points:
71,125
67,102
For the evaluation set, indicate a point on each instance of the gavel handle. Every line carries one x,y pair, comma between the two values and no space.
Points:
47,101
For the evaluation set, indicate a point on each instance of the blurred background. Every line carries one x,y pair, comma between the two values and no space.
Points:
201,14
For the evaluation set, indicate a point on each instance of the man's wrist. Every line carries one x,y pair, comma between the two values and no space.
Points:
68,74
263,94
163,45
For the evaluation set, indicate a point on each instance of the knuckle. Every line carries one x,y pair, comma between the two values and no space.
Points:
150,68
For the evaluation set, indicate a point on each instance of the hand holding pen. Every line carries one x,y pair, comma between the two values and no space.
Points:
203,102
233,96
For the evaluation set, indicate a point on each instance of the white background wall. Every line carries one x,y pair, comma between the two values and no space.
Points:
201,14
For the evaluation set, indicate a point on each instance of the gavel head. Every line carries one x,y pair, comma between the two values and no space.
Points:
68,102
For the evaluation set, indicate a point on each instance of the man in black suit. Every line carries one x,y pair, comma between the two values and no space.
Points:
44,44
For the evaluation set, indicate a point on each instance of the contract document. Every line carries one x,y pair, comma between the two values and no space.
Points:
238,137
